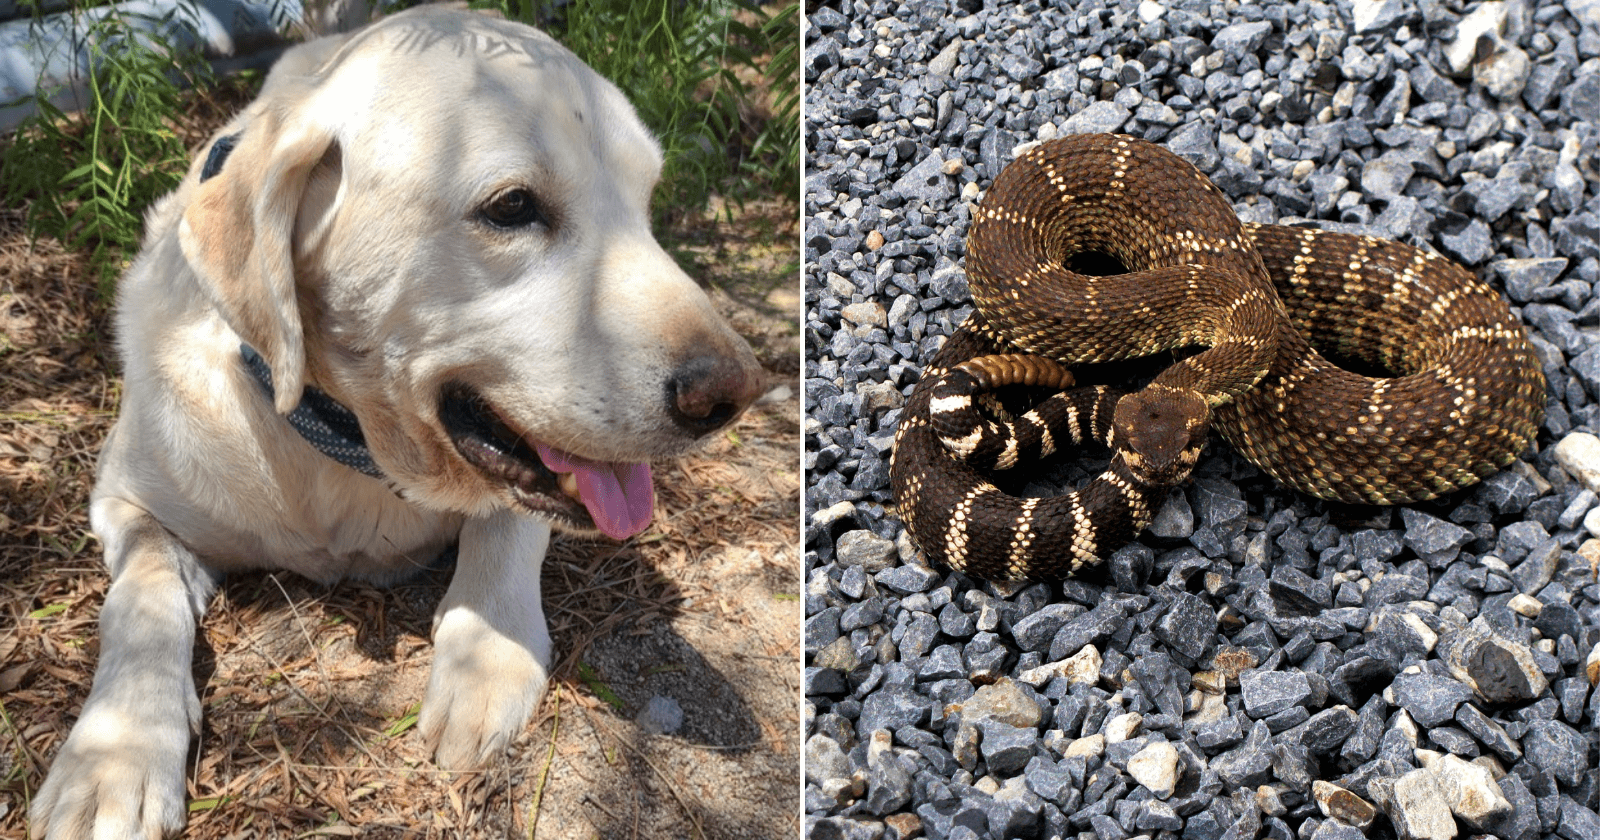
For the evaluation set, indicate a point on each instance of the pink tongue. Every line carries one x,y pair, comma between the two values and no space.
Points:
619,496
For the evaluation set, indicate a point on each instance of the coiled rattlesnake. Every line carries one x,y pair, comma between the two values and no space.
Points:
1262,300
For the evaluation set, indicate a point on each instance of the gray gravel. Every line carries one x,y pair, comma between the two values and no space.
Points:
1260,663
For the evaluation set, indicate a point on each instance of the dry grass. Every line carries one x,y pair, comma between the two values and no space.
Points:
310,692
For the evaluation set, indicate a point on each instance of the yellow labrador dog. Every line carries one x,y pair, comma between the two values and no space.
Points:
409,298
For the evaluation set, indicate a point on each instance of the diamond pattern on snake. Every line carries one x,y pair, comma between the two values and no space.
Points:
1263,302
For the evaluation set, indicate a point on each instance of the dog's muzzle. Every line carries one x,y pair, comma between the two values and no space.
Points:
708,392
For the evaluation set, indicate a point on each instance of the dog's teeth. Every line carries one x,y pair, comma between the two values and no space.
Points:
569,484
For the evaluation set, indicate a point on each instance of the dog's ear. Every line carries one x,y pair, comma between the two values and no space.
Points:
237,233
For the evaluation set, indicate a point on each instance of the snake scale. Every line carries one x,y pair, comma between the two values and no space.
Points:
1263,301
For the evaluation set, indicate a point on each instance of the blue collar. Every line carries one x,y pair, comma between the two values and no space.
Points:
328,426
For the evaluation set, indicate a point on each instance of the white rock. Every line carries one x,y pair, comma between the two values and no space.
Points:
1082,667
1206,708
1418,808
1151,11
1156,767
945,62
828,516
1505,73
1585,11
1469,789
1579,454
1374,14
1089,746
1525,605
825,760
1488,20
1329,43
1122,727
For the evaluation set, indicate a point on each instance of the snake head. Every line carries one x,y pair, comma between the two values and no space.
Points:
1159,433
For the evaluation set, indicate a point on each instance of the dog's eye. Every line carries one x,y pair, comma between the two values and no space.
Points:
514,208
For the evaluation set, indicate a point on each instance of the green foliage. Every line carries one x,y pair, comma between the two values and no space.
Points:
717,82
777,146
87,178
679,62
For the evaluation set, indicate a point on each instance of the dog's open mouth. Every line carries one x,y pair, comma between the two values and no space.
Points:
614,498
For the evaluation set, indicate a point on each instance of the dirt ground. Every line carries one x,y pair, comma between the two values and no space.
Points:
310,692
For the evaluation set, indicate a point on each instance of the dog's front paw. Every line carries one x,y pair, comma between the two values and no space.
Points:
483,688
119,774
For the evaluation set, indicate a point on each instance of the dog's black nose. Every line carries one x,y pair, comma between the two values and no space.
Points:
707,392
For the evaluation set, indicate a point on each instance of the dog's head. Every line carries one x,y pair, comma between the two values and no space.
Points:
443,222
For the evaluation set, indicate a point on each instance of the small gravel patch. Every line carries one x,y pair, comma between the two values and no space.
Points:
1259,663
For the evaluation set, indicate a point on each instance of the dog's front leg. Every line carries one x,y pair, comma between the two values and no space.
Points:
491,650
120,773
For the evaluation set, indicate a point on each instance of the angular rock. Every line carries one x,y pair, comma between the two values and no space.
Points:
844,828
1101,117
868,550
1469,789
1122,727
1328,729
1433,539
888,781
1238,39
1336,830
1556,748
892,707
1523,822
1579,455
1082,667
1376,15
1006,749
1156,767
1196,143
1526,278
1471,245
1430,700
1386,176
1488,732
1418,809
1175,519
1035,630
1504,73
1342,805
1005,702
825,760
1093,627
1050,781
1486,22
1189,627
1250,763
1267,693
1498,670
1577,822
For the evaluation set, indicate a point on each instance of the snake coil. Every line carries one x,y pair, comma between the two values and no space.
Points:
1264,301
